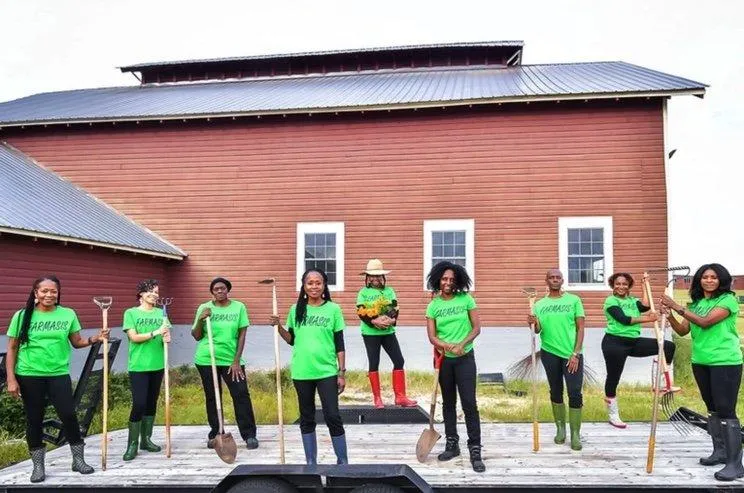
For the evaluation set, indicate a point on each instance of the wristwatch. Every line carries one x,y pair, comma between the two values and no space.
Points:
682,311
342,372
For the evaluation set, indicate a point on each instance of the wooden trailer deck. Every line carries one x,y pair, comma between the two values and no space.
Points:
610,459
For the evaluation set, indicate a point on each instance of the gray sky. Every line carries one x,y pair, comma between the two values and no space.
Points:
49,45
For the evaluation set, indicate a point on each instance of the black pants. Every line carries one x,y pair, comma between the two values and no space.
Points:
556,370
390,343
328,391
719,387
458,375
241,398
34,392
145,386
616,350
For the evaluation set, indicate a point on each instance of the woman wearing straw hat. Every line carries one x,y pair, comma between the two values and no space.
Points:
377,308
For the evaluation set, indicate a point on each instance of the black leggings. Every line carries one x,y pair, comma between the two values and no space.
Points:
34,392
616,350
328,391
392,348
719,387
241,398
145,386
458,375
556,370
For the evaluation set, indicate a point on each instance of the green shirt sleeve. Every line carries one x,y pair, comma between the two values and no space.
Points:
15,324
729,302
579,307
471,303
360,299
74,323
290,323
430,310
338,320
243,320
199,311
129,322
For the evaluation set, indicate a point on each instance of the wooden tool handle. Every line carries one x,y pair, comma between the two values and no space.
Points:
167,402
278,371
104,424
535,424
438,357
215,382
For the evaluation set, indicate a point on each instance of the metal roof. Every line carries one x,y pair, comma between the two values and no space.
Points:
69,213
361,51
347,91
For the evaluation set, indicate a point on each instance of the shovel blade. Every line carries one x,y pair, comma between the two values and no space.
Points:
426,443
226,447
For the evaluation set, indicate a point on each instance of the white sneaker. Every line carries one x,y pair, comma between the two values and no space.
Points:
614,413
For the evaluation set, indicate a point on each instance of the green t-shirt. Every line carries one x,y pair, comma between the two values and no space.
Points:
367,297
148,355
227,322
47,352
557,318
629,306
452,319
718,344
314,350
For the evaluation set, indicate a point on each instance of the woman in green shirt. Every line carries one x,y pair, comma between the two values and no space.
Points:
716,360
452,323
559,319
623,337
377,308
38,369
229,324
315,330
147,330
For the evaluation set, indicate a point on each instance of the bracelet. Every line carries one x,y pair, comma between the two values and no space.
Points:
342,373
681,311
90,342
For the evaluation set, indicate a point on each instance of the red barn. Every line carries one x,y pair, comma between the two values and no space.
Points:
260,166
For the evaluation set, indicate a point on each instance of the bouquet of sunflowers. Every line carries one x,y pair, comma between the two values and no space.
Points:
379,307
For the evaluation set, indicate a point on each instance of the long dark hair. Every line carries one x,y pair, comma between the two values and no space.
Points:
301,307
724,282
28,310
462,279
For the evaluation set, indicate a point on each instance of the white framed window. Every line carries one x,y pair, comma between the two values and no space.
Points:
452,240
321,245
585,252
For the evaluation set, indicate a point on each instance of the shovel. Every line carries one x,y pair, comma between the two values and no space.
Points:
429,436
224,443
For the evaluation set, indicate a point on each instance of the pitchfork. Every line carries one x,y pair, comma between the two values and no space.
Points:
104,302
165,303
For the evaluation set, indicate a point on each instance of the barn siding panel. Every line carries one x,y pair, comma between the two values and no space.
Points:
231,194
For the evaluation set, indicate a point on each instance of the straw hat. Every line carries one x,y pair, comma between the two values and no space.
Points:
375,268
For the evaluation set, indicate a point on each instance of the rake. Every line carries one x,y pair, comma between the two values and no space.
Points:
665,393
104,303
277,368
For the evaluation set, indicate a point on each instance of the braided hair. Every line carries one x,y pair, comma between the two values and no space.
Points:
301,307
28,310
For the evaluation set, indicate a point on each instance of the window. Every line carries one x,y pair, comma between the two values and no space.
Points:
585,252
321,245
452,240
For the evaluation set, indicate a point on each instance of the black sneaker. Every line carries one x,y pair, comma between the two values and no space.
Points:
210,442
475,458
251,443
451,449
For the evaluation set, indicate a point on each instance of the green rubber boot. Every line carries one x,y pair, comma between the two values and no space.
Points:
134,434
574,420
559,416
146,433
